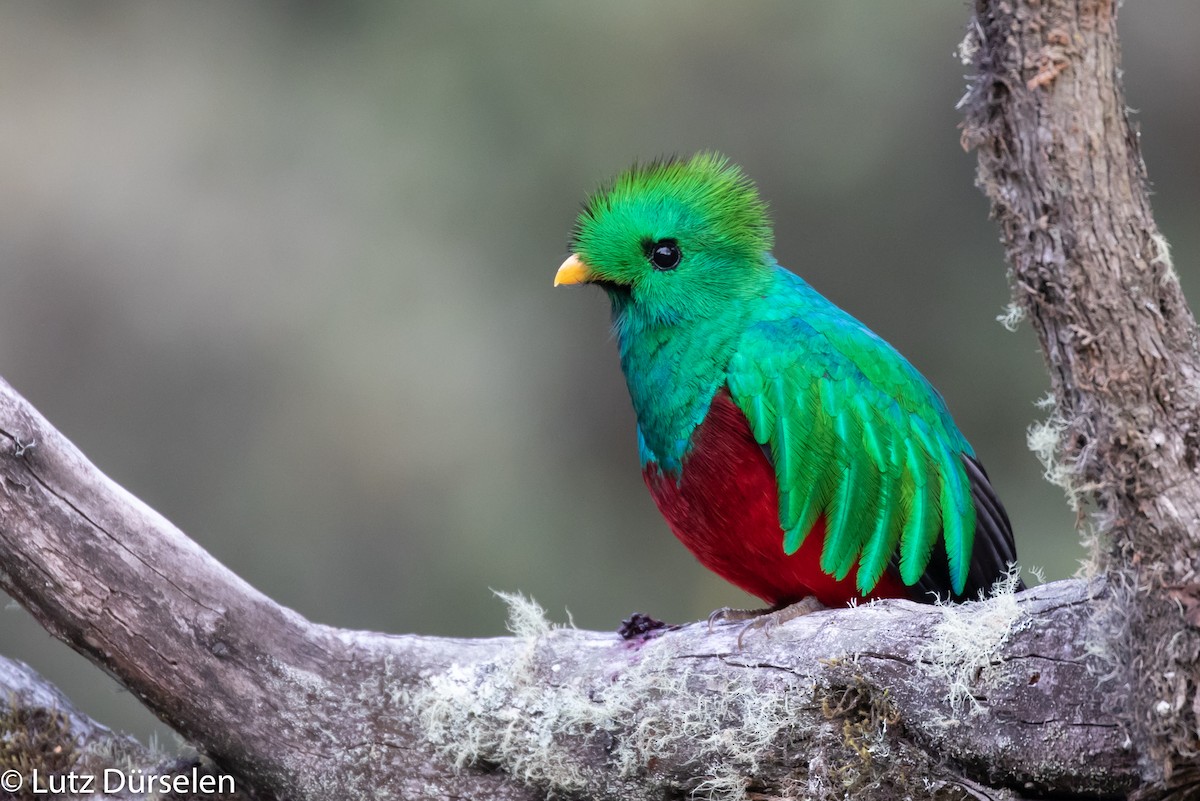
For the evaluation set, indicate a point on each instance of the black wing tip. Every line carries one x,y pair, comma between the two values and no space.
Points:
993,554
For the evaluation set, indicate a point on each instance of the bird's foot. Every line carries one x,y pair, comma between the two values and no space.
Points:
764,619
727,614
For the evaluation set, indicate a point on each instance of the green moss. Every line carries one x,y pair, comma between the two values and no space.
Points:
35,739
867,722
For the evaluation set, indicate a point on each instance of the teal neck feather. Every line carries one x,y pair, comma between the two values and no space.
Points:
655,358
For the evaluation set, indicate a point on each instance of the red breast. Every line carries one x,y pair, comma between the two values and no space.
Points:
725,509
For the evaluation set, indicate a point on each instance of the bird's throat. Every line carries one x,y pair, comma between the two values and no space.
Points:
673,372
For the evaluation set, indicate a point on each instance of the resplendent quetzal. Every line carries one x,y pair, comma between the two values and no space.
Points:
789,447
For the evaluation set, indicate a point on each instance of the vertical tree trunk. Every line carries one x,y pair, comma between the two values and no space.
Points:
1060,163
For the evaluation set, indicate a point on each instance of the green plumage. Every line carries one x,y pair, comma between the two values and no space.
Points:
855,433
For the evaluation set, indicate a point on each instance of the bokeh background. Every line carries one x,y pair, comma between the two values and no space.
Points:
284,271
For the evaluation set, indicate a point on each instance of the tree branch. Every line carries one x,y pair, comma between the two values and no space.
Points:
893,696
1060,162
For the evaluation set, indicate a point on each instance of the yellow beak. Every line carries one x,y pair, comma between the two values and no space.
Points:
573,271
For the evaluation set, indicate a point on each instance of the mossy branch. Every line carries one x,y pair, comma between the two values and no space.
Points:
889,698
1060,162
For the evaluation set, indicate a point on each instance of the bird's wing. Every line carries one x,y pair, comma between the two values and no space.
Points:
858,435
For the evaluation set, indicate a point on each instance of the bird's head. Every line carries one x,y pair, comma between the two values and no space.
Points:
672,240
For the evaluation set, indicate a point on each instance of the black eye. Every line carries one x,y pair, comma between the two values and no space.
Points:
664,254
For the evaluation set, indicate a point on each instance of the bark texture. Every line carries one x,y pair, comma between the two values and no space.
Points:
887,700
1060,162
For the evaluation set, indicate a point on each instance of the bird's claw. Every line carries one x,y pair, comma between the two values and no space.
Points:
766,623
728,614
765,619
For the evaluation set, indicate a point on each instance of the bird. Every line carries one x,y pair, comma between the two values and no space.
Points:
791,449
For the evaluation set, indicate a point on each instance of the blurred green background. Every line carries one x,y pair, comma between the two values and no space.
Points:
284,271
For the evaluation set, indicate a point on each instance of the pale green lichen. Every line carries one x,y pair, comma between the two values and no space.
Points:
1045,440
967,641
536,713
499,712
1011,317
511,712
1163,257
1048,441
526,618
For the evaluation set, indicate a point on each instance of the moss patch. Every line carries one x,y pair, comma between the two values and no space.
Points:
35,739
